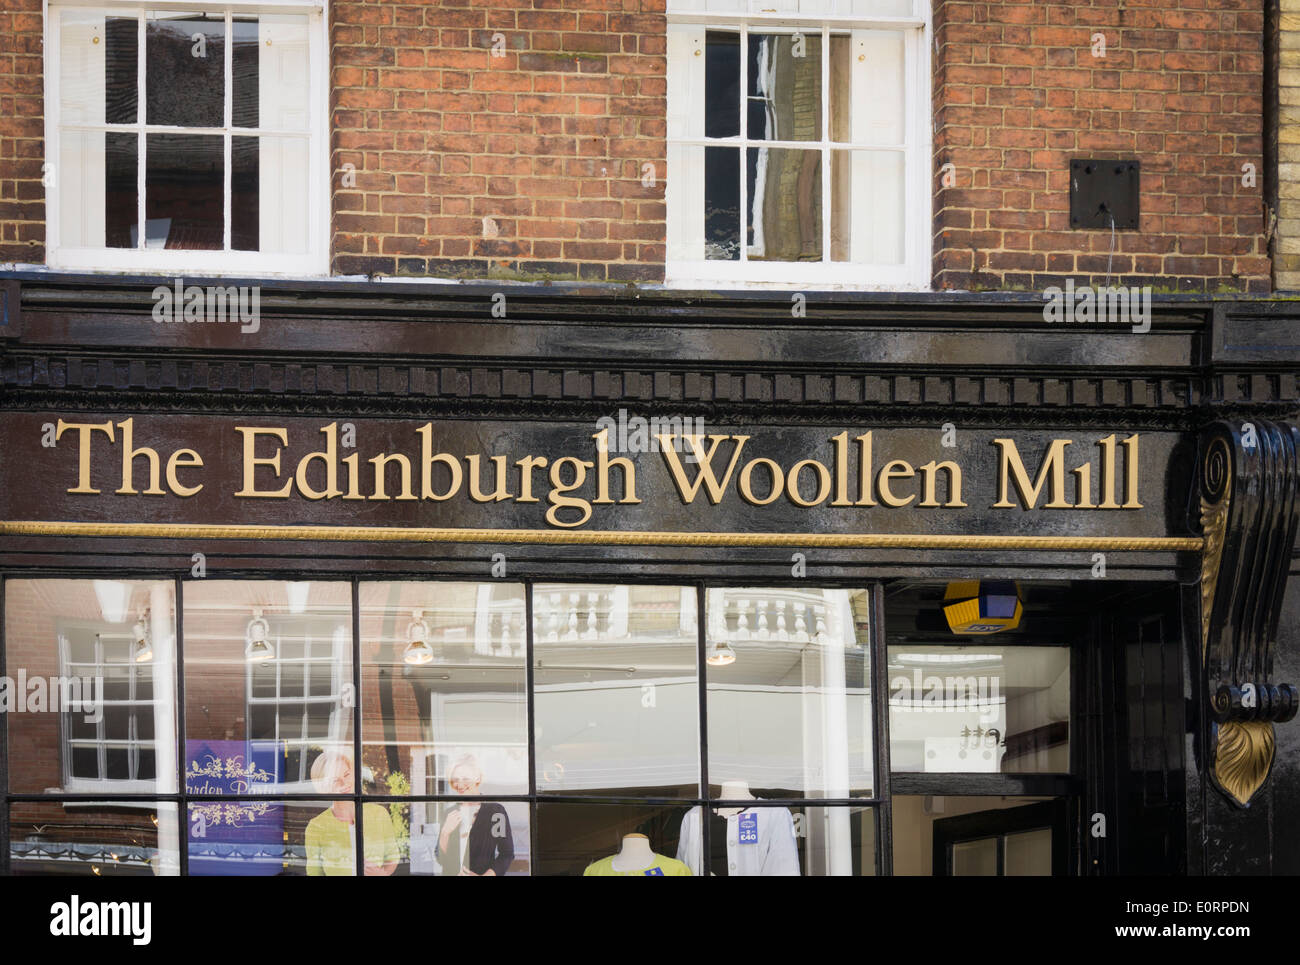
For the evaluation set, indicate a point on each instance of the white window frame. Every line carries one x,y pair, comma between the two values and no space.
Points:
915,270
90,785
339,659
315,261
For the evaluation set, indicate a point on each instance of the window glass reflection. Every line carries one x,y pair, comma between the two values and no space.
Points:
93,664
789,696
766,840
267,668
610,840
979,708
444,678
617,705
93,839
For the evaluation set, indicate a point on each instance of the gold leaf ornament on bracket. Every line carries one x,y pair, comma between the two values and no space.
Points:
1243,758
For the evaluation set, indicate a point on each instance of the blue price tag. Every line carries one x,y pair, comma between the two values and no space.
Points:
748,828
654,871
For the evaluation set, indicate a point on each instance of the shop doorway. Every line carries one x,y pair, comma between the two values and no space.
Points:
1026,841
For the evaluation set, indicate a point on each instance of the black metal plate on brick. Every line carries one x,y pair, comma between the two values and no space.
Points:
1104,189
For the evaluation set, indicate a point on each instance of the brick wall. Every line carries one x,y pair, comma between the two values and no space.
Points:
1018,92
22,133
525,164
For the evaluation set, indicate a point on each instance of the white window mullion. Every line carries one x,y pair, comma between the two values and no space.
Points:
744,143
827,164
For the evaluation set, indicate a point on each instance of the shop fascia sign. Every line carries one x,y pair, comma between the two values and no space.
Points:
846,469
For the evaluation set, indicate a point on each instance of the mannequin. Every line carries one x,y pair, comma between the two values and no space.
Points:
744,841
635,857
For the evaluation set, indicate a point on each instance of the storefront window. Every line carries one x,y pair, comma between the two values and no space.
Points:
444,680
91,706
268,683
438,781
99,840
979,708
617,699
789,696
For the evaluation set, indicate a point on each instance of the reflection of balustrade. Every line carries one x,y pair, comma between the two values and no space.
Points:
795,616
498,625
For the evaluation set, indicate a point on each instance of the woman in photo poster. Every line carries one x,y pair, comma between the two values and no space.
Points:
331,835
476,838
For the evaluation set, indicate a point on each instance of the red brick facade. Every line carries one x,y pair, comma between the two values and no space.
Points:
1018,92
510,139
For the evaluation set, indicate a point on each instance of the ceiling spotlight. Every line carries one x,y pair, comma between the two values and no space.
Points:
720,655
143,646
418,651
256,645
113,599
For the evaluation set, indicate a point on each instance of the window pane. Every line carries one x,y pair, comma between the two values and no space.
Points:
721,203
721,84
83,56
444,663
234,629
576,839
469,839
121,83
776,841
274,91
246,192
257,837
184,199
42,619
999,709
868,192
878,119
244,74
785,87
789,696
1028,853
185,70
785,204
121,189
617,705
54,838
268,204
975,858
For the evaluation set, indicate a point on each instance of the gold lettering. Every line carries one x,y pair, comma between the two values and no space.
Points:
841,470
864,470
823,483
380,462
192,460
747,492
252,461
354,476
688,491
1084,485
427,459
84,429
1053,468
330,457
603,466
928,472
526,466
500,491
1131,472
558,498
1107,482
887,473
129,456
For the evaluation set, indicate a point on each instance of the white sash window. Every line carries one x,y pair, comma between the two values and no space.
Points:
798,143
201,124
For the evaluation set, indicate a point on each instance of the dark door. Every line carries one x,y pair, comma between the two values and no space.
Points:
1029,840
